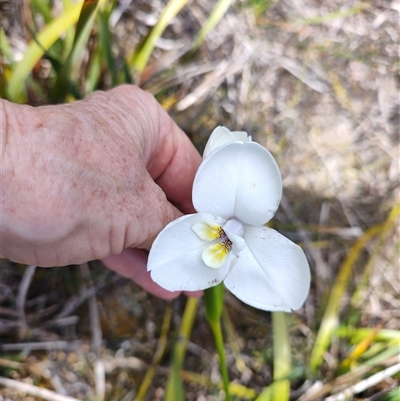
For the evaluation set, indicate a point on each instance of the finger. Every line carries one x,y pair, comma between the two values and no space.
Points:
131,263
173,161
194,294
170,157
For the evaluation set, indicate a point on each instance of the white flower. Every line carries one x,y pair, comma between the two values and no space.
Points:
237,189
220,136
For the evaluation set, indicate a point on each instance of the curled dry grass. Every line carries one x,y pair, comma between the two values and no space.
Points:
318,85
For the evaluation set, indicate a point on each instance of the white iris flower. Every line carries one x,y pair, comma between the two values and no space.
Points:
237,189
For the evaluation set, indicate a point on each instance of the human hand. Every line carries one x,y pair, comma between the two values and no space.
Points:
93,179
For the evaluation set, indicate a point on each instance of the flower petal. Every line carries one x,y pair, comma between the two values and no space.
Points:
238,244
271,273
175,259
234,230
220,136
240,180
215,255
208,230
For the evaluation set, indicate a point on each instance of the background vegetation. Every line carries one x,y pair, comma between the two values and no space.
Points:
317,83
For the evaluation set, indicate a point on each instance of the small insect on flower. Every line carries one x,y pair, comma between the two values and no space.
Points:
236,191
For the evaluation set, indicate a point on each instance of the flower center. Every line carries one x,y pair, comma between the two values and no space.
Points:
226,238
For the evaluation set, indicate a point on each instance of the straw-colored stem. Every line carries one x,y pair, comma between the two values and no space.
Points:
280,388
174,390
282,357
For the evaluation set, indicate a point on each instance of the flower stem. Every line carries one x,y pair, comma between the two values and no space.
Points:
213,302
219,344
280,388
282,357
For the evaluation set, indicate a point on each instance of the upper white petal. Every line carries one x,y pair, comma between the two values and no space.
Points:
240,180
175,259
271,273
220,136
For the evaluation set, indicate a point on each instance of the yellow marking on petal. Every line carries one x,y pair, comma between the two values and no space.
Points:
215,255
208,231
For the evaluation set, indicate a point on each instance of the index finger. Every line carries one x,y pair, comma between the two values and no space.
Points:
170,157
172,160
177,161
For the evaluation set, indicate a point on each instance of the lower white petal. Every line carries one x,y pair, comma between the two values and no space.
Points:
175,259
271,273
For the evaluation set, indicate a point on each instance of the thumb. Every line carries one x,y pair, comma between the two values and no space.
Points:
154,214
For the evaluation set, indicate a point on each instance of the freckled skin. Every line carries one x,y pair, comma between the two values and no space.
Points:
87,180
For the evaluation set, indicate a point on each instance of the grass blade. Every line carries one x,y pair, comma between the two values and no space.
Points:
47,37
174,391
366,383
139,59
329,17
330,319
94,70
44,9
362,333
359,349
106,45
83,28
217,13
161,346
387,230
5,48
